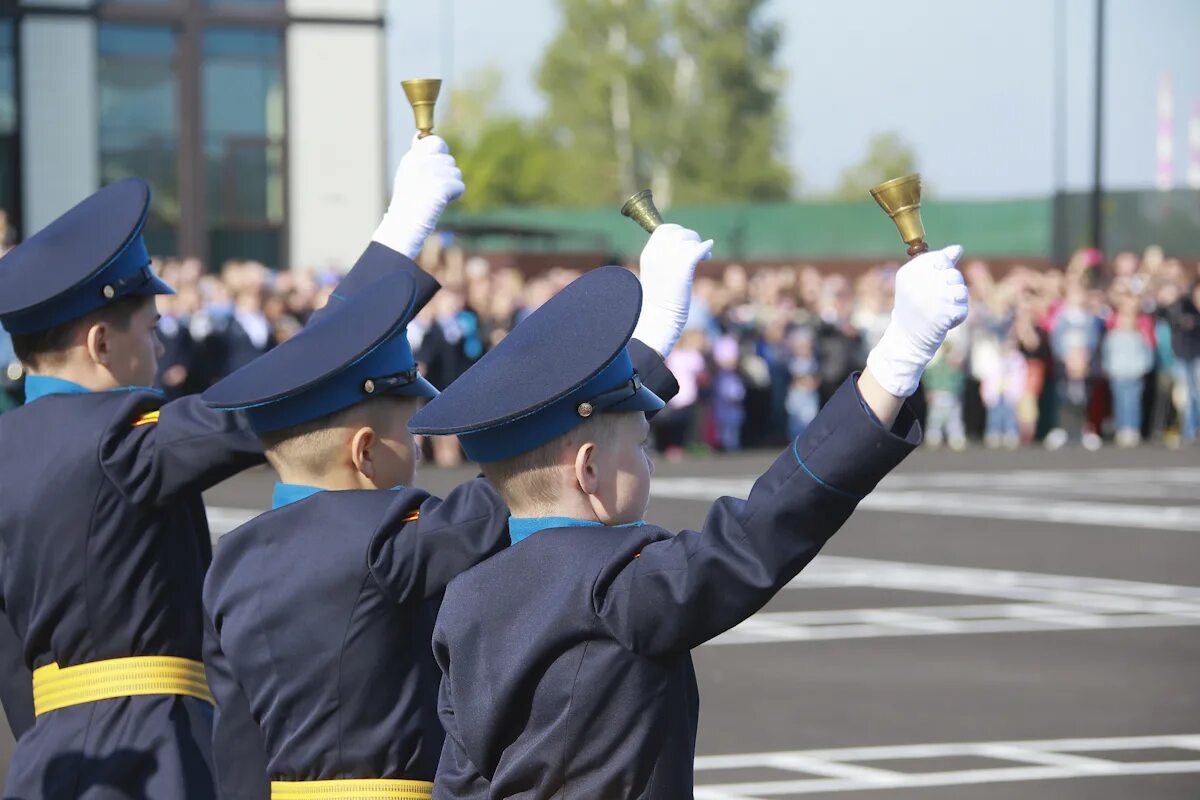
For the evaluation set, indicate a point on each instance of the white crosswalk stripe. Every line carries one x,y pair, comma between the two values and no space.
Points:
1098,498
1045,603
839,771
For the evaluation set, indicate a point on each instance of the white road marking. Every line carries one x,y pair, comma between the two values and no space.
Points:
1045,603
1010,495
836,770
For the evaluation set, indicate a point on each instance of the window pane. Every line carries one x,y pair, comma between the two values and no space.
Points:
243,113
9,134
139,131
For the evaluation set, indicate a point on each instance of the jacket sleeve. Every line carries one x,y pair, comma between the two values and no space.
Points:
16,681
420,548
154,453
652,368
378,261
679,592
239,754
457,777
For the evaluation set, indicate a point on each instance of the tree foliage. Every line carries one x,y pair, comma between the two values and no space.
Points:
508,161
888,156
678,95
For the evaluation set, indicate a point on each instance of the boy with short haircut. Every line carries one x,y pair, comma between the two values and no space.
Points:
102,523
566,667
319,613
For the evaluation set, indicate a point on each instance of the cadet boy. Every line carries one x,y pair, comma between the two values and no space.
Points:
319,613
102,528
565,659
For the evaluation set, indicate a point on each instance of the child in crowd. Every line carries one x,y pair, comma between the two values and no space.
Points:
944,381
1003,385
803,397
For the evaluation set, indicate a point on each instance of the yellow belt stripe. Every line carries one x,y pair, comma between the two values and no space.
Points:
363,789
55,687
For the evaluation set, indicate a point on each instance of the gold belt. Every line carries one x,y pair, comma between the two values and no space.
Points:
363,789
58,687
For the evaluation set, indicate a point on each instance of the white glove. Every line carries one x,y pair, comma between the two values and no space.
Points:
667,265
931,299
426,181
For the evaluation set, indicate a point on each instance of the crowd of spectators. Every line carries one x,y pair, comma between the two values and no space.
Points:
1096,351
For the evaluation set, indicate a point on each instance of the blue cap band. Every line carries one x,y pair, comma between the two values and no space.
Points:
128,273
526,433
372,375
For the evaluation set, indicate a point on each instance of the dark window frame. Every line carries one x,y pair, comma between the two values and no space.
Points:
10,12
189,18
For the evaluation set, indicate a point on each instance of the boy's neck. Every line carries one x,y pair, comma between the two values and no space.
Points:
574,508
334,480
86,376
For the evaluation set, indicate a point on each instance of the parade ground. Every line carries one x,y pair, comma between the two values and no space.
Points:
987,625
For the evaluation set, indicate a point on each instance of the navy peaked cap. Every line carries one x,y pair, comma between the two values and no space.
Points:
89,257
565,362
357,349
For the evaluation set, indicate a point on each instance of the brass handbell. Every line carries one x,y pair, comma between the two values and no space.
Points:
422,93
901,199
641,209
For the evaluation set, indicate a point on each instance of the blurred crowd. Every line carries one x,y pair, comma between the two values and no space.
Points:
1098,351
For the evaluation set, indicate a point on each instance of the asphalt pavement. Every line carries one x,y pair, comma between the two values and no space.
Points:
987,625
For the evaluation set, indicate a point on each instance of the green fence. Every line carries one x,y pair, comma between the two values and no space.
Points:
1037,228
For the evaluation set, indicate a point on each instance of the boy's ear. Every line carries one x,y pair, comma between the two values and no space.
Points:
585,468
97,343
361,445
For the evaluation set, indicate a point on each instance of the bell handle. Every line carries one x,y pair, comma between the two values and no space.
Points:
917,247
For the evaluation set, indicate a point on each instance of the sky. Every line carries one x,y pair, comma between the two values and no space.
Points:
971,84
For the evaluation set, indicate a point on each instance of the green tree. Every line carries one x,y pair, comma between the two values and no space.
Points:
888,156
678,95
507,160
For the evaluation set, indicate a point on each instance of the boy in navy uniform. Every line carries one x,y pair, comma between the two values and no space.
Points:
319,613
565,659
103,536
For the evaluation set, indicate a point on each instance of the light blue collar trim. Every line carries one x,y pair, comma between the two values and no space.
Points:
41,385
288,493
520,528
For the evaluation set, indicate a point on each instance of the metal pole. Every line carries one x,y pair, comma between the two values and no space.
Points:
1059,216
1098,154
447,49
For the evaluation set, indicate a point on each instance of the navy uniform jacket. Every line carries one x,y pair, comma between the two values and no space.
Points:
319,618
103,549
565,659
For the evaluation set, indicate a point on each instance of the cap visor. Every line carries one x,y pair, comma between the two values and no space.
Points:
155,285
644,400
418,388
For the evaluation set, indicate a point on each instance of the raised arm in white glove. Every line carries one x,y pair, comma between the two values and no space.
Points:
667,265
427,180
931,298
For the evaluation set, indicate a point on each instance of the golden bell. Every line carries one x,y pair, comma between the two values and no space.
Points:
640,208
901,199
422,94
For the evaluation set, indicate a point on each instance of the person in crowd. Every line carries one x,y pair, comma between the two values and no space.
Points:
1128,356
1002,387
729,394
803,397
674,424
945,379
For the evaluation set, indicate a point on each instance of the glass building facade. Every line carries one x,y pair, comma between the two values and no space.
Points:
203,99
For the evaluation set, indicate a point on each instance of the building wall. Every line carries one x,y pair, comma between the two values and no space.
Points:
345,9
60,165
336,141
